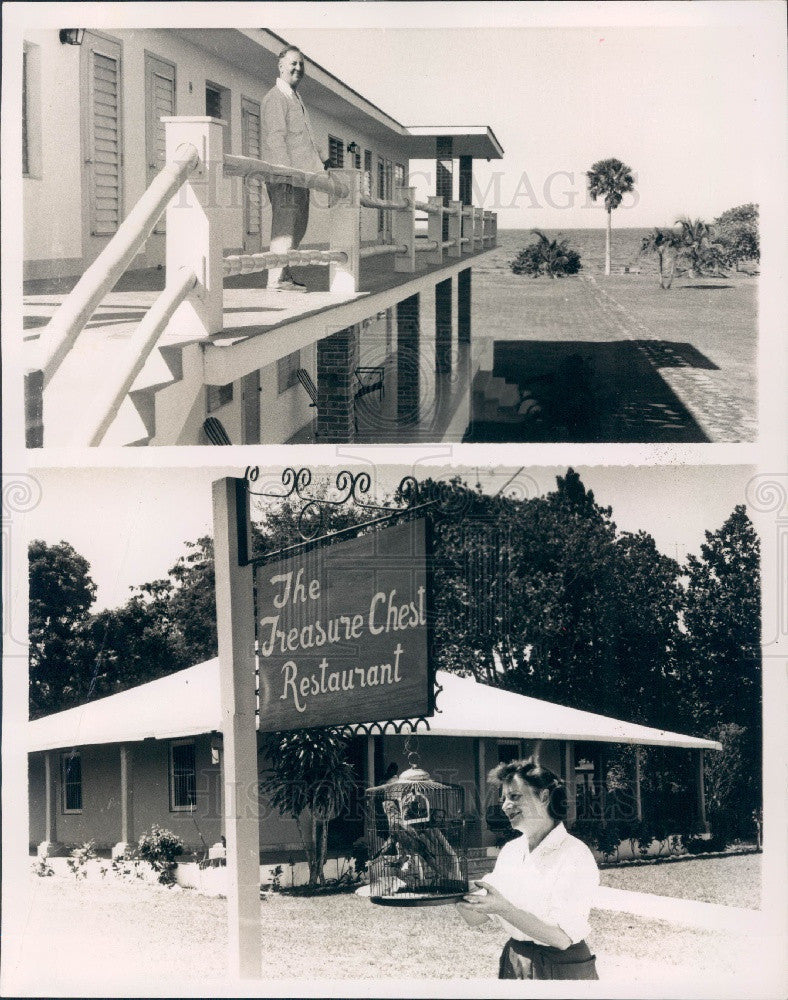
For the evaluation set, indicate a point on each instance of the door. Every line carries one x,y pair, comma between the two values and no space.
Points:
250,395
253,200
159,102
102,141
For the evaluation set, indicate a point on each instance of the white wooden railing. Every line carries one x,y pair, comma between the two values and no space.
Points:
196,266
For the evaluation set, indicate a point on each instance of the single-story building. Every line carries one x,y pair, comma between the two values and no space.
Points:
108,770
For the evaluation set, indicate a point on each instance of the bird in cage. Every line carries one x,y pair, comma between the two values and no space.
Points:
419,822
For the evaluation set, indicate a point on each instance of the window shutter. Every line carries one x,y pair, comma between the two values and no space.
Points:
105,151
250,133
163,103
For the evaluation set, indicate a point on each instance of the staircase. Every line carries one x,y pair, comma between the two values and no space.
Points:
497,401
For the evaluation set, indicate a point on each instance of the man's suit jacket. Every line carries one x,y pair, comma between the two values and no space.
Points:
287,137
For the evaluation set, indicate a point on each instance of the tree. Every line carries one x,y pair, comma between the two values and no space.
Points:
698,249
609,179
665,243
61,594
554,258
736,232
309,778
719,683
721,680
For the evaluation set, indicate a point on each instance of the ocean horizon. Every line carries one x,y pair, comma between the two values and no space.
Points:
590,243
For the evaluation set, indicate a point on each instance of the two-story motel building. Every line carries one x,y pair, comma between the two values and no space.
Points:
144,200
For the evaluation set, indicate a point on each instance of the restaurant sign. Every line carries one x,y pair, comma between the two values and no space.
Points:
344,633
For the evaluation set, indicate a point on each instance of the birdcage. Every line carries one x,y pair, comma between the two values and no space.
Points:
416,840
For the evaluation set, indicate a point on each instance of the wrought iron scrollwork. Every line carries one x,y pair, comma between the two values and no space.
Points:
351,488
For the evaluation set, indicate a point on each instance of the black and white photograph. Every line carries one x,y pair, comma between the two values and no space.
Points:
579,265
465,659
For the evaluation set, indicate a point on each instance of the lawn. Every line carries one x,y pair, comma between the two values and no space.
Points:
731,881
139,934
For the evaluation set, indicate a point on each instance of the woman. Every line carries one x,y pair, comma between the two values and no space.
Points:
543,883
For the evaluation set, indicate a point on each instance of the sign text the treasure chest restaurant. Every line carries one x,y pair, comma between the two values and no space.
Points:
343,633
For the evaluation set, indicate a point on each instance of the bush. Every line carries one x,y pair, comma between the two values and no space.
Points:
554,258
80,856
160,848
359,852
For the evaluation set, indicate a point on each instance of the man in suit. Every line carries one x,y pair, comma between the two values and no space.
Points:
288,139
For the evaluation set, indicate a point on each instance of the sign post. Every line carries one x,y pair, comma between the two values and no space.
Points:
235,628
343,637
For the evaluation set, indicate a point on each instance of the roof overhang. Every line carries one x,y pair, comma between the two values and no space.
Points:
256,50
476,141
187,703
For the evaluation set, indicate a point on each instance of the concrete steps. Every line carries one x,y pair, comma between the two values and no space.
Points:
496,400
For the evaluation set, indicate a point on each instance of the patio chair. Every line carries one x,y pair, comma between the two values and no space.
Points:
215,432
370,378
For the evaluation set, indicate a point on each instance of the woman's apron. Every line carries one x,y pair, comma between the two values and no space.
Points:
529,960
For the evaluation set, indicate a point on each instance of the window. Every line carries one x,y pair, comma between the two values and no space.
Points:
183,775
219,396
381,193
71,781
217,105
508,750
251,146
355,157
104,136
286,371
399,174
367,171
336,152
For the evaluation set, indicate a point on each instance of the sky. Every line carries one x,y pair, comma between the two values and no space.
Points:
683,107
147,515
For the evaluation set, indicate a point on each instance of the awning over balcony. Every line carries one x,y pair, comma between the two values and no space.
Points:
188,703
476,141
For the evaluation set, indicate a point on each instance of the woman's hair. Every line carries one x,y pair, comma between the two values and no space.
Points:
538,777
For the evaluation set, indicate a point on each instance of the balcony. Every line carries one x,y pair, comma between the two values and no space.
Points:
210,321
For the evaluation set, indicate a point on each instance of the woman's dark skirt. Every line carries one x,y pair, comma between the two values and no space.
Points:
528,960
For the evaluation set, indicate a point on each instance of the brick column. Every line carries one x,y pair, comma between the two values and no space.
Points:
443,330
408,360
337,359
464,277
700,790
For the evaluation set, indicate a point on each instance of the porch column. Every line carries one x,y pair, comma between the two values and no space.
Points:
408,360
50,847
218,850
638,799
337,360
443,330
444,174
124,845
602,782
369,775
480,774
701,790
464,277
570,781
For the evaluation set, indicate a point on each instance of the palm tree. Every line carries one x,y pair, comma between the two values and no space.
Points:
665,243
610,179
698,247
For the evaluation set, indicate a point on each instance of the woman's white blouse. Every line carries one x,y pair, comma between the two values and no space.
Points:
556,882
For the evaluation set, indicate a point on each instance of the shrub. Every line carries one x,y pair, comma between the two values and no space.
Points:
42,868
608,837
359,852
160,848
554,258
80,856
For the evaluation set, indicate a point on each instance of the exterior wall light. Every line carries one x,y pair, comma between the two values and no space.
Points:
353,148
71,36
